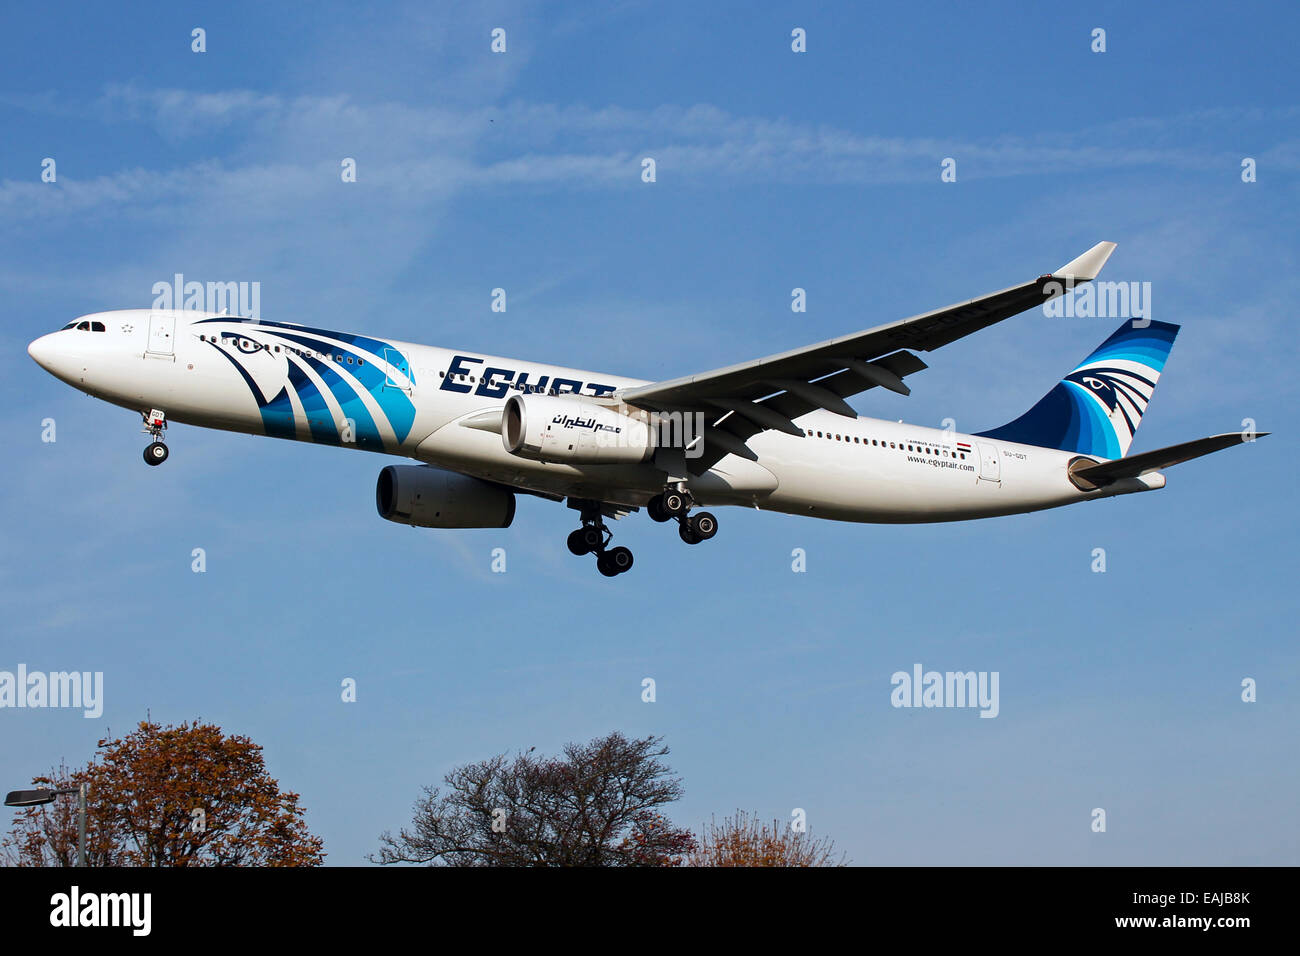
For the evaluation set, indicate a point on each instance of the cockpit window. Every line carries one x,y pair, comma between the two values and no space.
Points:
70,325
83,326
97,327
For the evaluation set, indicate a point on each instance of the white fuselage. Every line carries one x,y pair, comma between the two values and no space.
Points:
413,400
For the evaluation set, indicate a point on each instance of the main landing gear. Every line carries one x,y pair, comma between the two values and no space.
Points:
155,423
676,505
594,537
673,505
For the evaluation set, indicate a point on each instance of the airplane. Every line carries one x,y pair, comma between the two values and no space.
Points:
774,434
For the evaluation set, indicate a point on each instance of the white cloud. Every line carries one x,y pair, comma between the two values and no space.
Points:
278,151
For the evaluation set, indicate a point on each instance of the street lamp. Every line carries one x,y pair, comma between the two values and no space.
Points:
36,798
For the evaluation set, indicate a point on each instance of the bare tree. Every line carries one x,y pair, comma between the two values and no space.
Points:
598,805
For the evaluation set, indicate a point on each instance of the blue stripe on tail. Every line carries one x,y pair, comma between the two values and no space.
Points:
1097,407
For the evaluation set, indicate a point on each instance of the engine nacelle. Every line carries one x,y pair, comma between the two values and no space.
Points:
428,497
571,428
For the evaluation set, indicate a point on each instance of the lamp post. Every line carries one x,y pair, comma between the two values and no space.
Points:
35,798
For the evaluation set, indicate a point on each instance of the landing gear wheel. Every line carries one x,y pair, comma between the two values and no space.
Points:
703,525
156,453
674,504
655,509
578,542
687,533
614,561
593,537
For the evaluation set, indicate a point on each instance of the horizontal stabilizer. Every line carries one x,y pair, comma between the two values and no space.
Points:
1135,466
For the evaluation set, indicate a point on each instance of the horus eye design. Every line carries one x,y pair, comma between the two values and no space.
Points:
1095,384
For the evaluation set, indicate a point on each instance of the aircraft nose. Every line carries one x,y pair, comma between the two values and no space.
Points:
42,351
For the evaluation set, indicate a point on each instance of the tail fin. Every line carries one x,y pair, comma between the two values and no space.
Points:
1097,407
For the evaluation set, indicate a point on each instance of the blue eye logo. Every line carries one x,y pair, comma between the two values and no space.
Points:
248,346
1111,384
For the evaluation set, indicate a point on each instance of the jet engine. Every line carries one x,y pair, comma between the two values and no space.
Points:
428,497
574,429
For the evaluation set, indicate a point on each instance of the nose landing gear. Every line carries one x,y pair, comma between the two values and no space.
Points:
155,423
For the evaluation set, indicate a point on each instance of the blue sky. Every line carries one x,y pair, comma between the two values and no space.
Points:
775,170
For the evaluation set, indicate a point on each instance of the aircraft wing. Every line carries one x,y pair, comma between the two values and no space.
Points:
767,393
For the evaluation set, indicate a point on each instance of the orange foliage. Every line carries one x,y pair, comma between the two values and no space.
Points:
743,841
168,796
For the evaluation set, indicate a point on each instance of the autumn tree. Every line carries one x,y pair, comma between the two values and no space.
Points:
185,795
597,805
743,841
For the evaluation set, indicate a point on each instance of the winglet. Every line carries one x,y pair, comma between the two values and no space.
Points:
1086,267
